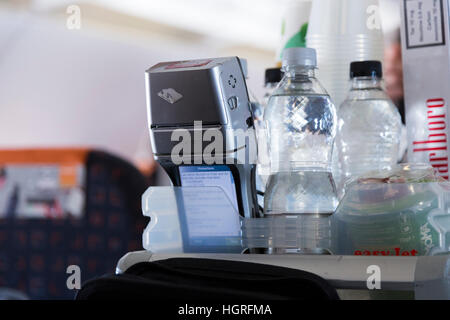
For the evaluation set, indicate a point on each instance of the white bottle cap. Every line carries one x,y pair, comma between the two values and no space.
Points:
298,56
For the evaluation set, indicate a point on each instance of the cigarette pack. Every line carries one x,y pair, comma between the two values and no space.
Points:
426,74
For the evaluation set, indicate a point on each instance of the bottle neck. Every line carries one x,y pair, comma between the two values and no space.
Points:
366,83
299,71
271,85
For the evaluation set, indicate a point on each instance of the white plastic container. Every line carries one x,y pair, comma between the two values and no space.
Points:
343,31
190,219
403,212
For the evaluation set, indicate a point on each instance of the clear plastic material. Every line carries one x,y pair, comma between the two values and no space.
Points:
263,166
203,219
269,89
403,212
301,125
369,131
343,31
288,234
190,219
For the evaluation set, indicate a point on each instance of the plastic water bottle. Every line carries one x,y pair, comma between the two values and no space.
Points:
272,78
301,123
369,126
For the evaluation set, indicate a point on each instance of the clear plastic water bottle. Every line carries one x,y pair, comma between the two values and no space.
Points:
369,125
301,123
271,80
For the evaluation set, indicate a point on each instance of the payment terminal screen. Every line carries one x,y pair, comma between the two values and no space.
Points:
210,176
209,217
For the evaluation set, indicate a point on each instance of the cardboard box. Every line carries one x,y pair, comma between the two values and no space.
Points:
426,72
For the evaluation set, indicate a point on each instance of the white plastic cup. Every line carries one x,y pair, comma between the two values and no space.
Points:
342,17
343,31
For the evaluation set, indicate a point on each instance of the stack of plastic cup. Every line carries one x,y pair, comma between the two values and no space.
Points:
343,31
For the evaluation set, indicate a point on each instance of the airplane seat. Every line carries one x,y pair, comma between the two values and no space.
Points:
63,207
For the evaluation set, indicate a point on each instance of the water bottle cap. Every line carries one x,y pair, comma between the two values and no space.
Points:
366,69
273,75
299,57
